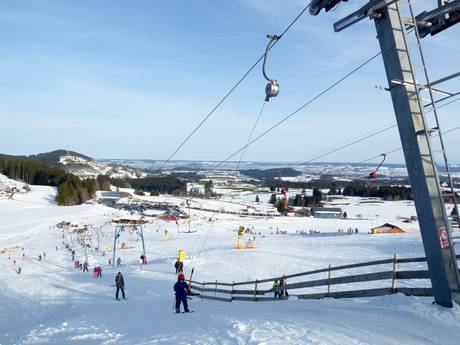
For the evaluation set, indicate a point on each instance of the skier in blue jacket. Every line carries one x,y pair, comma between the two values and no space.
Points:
181,288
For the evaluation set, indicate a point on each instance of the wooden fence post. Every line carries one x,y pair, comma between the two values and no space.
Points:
329,280
231,294
202,291
255,292
393,280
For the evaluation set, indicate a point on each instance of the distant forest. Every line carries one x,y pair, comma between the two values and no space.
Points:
353,188
71,189
268,174
154,184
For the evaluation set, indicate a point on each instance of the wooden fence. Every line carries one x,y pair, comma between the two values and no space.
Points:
240,291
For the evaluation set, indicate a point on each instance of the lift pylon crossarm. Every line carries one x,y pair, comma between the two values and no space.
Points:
421,87
437,18
371,9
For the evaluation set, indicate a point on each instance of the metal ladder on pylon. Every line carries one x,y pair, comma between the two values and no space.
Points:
434,126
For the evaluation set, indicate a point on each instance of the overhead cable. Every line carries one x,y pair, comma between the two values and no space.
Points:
222,100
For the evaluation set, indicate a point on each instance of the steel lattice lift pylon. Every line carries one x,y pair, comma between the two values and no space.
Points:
118,229
415,133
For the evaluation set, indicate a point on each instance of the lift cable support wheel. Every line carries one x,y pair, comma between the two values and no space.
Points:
272,88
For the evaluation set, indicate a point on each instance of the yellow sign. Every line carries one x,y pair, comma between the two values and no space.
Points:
182,255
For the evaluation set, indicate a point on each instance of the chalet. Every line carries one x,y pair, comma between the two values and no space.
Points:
327,212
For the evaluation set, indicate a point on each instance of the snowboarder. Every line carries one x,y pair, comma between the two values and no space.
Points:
283,290
119,262
85,266
120,284
275,287
181,288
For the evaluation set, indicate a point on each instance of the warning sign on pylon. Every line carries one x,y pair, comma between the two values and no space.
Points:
443,237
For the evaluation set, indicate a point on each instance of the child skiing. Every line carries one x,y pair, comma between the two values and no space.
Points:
120,284
181,288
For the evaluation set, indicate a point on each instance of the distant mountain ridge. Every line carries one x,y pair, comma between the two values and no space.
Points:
80,165
51,158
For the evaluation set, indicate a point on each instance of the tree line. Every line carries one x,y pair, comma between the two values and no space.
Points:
154,184
71,189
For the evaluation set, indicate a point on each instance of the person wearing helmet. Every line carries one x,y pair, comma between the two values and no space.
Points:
181,288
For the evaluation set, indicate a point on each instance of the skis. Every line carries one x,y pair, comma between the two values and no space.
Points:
183,312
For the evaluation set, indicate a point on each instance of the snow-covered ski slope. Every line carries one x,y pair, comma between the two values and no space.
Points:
51,302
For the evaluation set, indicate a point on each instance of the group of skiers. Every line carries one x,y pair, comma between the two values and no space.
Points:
181,288
279,287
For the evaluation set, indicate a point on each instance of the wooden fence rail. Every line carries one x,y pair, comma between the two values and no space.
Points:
256,293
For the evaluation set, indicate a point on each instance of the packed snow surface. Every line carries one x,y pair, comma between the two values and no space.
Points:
51,302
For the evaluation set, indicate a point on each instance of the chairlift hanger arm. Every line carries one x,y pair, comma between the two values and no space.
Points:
273,39
272,87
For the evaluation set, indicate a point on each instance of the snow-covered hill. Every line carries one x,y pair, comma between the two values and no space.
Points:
51,302
85,168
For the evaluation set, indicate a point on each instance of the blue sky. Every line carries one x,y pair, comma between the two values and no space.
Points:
130,79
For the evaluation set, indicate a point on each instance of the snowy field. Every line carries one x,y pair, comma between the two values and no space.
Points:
51,302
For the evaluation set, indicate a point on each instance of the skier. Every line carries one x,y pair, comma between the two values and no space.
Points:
85,266
119,262
39,257
283,290
120,284
181,288
275,287
73,255
176,265
19,270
